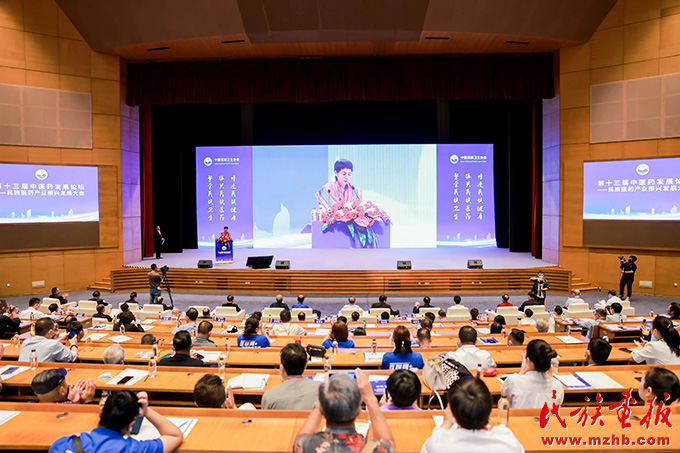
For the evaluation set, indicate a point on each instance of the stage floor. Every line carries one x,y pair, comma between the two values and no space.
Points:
359,259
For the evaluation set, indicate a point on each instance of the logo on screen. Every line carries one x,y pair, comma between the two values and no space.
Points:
41,174
454,159
642,169
207,161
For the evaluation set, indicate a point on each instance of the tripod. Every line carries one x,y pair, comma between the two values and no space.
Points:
166,280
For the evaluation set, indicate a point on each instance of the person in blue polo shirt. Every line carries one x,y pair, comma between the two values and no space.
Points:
250,337
115,421
340,334
403,357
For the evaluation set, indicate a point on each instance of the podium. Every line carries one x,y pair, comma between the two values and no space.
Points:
224,252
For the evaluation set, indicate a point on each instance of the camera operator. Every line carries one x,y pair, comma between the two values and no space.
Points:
628,269
155,280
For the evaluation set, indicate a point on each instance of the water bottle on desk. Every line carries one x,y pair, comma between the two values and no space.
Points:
503,334
555,363
222,367
327,364
651,314
334,347
363,324
568,331
33,360
480,373
16,341
155,350
227,347
374,346
503,411
122,329
152,367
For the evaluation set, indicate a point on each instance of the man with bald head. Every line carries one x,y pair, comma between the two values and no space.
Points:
279,303
574,299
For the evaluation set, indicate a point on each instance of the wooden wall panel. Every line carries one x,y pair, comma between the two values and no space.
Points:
79,269
41,16
576,260
641,69
42,52
575,125
572,204
109,210
16,271
575,89
575,58
606,48
640,149
641,41
48,267
667,281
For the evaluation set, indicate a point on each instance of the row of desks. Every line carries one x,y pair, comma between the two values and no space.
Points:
275,431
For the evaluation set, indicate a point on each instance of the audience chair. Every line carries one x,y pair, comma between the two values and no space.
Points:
86,307
229,313
511,315
433,310
457,313
579,310
376,312
309,313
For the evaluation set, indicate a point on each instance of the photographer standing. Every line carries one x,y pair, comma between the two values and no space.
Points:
628,269
154,284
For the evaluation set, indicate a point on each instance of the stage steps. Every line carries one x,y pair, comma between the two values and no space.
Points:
344,281
103,285
579,283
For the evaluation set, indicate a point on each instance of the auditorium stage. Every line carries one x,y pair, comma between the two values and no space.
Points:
359,259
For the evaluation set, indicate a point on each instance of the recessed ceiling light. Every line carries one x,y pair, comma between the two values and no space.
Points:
524,43
157,48
437,37
234,41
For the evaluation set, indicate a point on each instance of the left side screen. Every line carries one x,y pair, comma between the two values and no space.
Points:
224,194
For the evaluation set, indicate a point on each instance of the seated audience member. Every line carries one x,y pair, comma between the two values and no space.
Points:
359,331
33,310
181,343
558,310
442,315
495,328
615,313
159,301
54,310
209,391
285,327
50,387
500,319
230,303
116,418
664,347
456,300
382,303
69,318
252,336
531,301
426,323
257,315
352,305
574,299
466,423
424,338
342,319
148,339
516,337
75,329
385,316
278,303
132,299
302,316
9,320
95,298
191,324
527,321
300,303
505,301
674,310
426,304
340,403
355,316
127,320
100,313
467,353
205,314
403,391
599,315
47,347
430,315
56,294
114,354
402,357
202,339
474,314
597,352
611,298
123,308
295,392
533,386
660,385
542,325
339,333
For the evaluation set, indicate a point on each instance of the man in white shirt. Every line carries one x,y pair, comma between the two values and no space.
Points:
615,313
351,306
467,353
46,346
191,324
527,321
285,327
611,298
575,299
33,310
598,316
466,423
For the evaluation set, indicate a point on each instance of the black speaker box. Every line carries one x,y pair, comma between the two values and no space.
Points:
403,265
205,264
259,262
282,264
475,264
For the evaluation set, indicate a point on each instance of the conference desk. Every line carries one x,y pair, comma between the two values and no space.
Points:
174,385
275,431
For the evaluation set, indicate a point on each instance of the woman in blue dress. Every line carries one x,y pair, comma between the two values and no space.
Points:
340,334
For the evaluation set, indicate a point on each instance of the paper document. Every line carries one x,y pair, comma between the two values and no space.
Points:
572,381
9,371
96,336
7,415
483,330
210,356
120,338
569,339
373,357
249,381
599,380
148,321
322,332
134,375
147,328
148,432
315,359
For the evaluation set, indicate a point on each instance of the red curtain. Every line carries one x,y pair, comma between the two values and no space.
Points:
510,77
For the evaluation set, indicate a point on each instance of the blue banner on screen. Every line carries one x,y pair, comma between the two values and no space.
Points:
224,194
48,194
640,189
344,196
465,198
